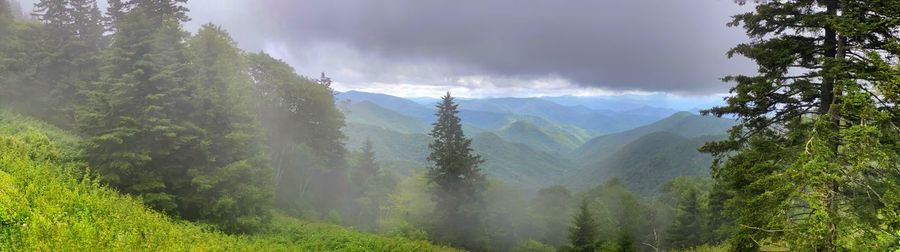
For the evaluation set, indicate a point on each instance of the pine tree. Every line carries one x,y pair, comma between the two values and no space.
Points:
456,181
817,122
688,229
136,120
583,232
232,188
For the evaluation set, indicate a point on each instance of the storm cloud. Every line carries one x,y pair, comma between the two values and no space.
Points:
666,46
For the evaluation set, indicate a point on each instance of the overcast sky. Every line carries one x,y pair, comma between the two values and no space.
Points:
493,47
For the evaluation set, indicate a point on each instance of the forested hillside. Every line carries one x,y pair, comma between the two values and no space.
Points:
525,155
127,125
47,202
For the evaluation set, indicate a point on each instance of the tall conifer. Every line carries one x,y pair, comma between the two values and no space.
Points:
455,179
818,126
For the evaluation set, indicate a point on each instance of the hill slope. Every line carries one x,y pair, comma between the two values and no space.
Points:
366,112
397,104
517,164
513,163
548,138
683,124
647,163
46,205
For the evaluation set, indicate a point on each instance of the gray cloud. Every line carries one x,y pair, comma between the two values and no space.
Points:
674,46
619,45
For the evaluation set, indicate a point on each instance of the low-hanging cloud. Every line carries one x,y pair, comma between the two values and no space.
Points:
619,45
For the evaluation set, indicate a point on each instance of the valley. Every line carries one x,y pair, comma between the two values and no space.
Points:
533,143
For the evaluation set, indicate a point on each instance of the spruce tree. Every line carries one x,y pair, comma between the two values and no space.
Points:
232,188
455,179
688,229
137,117
817,128
583,232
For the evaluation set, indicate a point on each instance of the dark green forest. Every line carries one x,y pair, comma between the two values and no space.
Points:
122,130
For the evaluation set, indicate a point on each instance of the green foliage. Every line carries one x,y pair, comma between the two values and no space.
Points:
583,232
49,60
532,246
231,189
690,228
140,136
683,124
303,130
517,164
455,179
408,210
368,113
625,243
551,213
47,203
707,248
818,128
506,221
550,137
647,163
619,210
372,189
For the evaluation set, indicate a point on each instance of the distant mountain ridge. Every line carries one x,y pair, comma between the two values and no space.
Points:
532,143
492,113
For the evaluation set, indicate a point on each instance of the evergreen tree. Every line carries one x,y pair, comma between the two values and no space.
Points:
365,168
373,187
56,14
231,189
551,210
456,181
626,243
583,232
689,228
87,25
115,12
64,59
137,118
818,126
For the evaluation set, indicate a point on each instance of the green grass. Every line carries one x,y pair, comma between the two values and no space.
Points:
47,205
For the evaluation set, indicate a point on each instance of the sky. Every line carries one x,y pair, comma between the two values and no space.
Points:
494,48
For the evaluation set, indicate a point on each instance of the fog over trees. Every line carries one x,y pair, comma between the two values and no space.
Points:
122,130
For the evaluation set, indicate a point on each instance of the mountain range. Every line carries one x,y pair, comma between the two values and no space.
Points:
533,143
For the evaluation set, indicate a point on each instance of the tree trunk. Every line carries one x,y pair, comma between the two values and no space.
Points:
830,95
